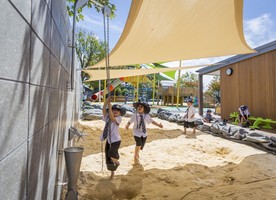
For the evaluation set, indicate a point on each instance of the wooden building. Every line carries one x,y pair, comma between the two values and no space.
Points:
169,94
246,80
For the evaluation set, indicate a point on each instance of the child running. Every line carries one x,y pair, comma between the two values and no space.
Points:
112,118
139,127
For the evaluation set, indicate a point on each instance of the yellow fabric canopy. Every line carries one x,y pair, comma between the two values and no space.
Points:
119,73
163,31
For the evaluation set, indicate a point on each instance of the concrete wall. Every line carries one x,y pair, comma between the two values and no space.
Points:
36,106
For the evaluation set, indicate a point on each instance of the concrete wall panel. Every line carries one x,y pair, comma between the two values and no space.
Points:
13,174
42,15
54,103
39,102
38,165
40,65
15,44
56,11
55,72
14,116
55,40
24,8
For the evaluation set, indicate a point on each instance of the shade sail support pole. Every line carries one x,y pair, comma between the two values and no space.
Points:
137,88
178,86
153,89
104,94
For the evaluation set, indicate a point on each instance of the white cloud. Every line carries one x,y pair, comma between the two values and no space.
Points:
116,28
195,62
203,61
91,24
257,31
93,21
260,30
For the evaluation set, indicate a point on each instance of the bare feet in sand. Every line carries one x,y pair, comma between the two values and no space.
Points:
112,175
136,160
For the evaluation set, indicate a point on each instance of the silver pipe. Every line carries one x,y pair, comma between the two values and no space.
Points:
73,46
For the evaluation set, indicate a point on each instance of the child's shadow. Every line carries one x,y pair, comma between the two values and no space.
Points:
105,189
190,136
131,184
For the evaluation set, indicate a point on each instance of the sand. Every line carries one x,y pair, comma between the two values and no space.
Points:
175,166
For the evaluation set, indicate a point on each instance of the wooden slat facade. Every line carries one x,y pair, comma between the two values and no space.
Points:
252,83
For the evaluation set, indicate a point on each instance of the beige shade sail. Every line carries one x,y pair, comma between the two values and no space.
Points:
163,31
119,73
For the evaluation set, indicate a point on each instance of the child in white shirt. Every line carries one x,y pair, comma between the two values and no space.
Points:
113,118
189,117
139,128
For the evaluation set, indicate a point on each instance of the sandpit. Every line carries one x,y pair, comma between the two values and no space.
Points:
175,166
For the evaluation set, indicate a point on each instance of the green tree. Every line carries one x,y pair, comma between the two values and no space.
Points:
189,80
79,16
214,88
118,91
89,48
125,91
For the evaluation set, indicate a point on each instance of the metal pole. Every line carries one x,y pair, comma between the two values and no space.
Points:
114,99
104,90
78,4
200,95
178,86
73,45
158,85
137,86
153,89
100,92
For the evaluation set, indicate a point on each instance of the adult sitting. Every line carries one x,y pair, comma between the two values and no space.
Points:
244,115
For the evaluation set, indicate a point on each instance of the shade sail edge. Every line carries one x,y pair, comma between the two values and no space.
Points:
96,75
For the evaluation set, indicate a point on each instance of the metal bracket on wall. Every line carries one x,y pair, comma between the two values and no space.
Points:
70,43
59,183
75,132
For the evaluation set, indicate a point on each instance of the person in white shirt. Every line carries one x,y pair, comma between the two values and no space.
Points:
139,127
189,117
112,118
244,114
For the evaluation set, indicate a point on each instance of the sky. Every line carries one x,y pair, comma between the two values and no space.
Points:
259,23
